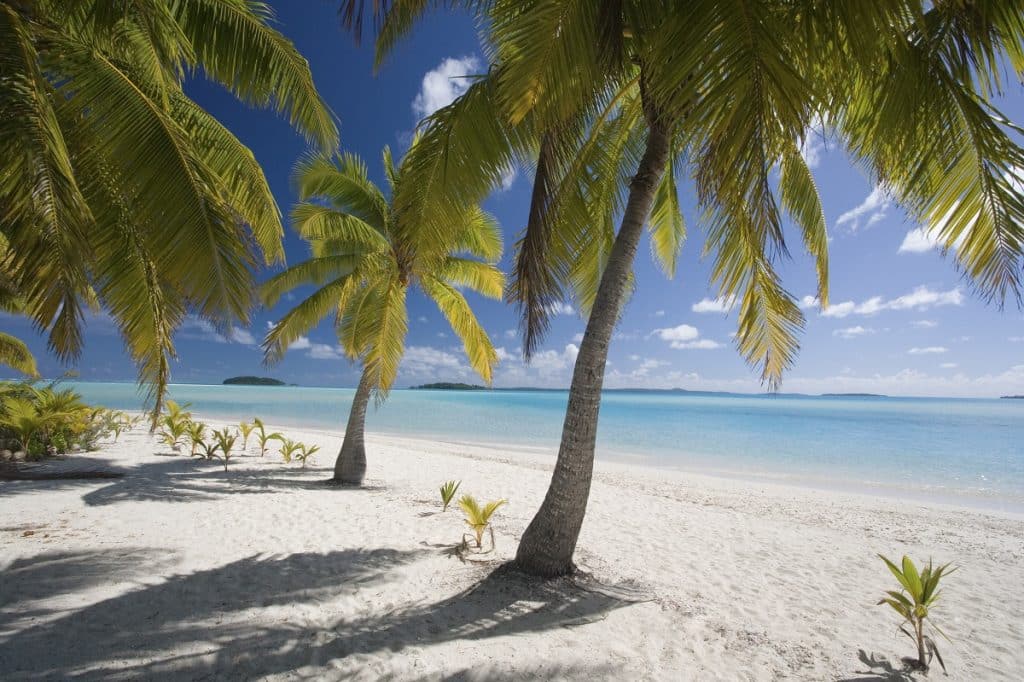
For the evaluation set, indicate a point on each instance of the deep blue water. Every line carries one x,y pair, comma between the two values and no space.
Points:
967,451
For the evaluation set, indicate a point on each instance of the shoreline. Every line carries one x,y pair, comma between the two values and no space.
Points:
544,457
182,570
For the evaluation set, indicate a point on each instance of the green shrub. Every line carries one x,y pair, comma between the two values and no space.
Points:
448,491
920,591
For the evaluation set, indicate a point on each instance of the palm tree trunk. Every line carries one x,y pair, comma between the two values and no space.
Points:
350,467
548,544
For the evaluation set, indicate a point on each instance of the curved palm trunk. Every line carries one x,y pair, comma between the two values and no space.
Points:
548,544
350,467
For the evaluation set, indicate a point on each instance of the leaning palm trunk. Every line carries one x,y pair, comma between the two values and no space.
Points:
549,541
350,467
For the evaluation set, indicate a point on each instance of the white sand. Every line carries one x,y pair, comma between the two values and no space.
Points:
181,571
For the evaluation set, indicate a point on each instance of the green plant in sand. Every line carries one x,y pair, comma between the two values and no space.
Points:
196,435
305,452
448,491
288,449
173,431
263,437
479,518
225,440
245,428
920,591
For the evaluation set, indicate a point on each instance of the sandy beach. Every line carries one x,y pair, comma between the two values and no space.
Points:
180,570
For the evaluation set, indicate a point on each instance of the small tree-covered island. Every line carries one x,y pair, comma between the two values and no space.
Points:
253,381
732,244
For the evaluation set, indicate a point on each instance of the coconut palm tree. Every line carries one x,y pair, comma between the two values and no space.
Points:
724,91
119,192
13,351
366,254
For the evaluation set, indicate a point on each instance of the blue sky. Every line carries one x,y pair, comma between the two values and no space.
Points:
902,320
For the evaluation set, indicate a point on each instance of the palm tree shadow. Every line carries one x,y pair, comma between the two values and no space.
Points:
205,624
881,670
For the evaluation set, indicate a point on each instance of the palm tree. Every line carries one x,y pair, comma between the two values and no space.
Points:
366,254
118,191
725,91
13,351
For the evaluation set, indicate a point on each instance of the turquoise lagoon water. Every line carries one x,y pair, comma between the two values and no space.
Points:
956,450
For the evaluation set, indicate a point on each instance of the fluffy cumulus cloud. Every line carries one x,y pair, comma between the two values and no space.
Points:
921,298
928,350
684,337
852,332
555,361
193,327
443,84
428,361
717,305
948,365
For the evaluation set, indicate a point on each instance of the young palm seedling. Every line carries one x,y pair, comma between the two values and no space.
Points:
479,518
196,436
448,491
914,602
289,448
305,452
225,440
263,437
209,449
174,432
245,428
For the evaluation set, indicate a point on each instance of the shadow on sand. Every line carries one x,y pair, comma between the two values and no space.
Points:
879,669
205,624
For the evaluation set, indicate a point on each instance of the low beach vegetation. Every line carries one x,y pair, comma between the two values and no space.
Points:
448,490
478,518
914,601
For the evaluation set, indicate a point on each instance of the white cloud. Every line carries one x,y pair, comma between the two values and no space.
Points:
1017,339
659,313
812,149
928,350
422,318
808,302
553,361
948,365
869,212
560,308
924,324
920,298
194,327
922,240
852,332
683,332
420,360
508,178
577,337
511,333
699,344
718,305
324,351
684,337
301,343
442,85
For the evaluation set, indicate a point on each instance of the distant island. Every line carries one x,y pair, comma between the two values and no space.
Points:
1012,397
448,386
253,381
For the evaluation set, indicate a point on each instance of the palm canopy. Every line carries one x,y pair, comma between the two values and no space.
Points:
116,189
576,87
365,254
